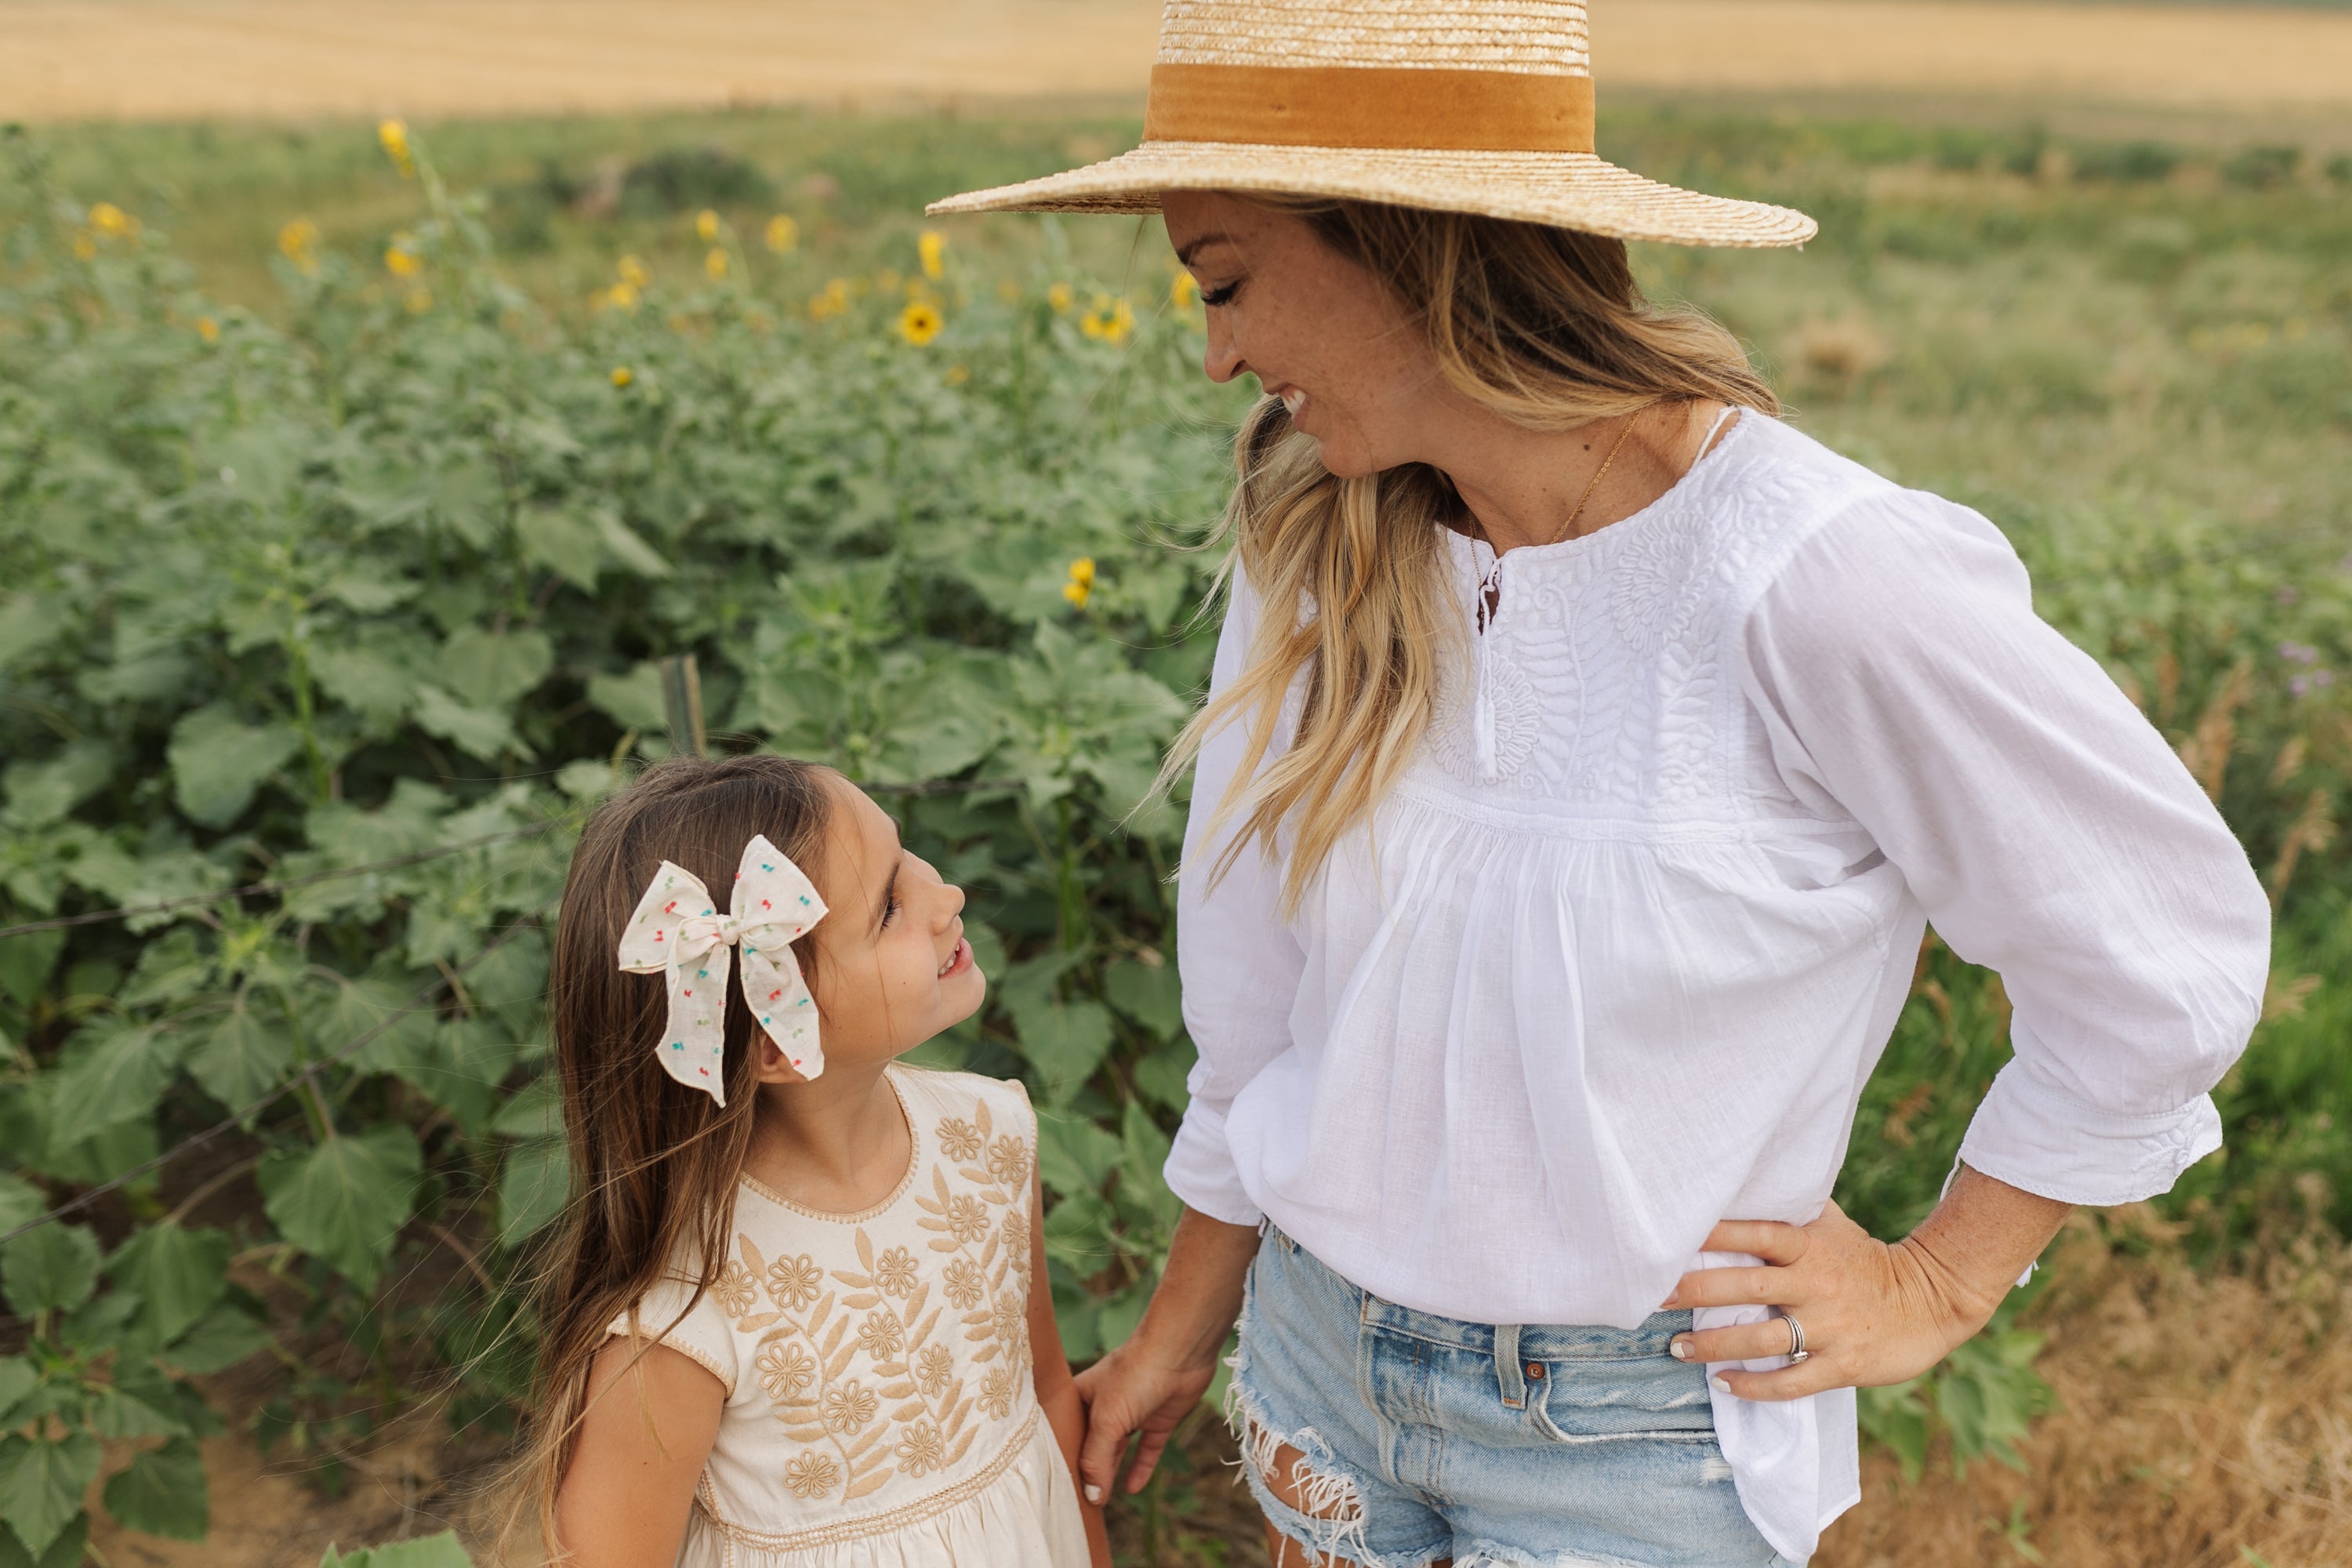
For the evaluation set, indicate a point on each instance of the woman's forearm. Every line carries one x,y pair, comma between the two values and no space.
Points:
1979,1240
1200,1292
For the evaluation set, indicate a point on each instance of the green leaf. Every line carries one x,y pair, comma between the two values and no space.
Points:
345,1201
177,1273
567,544
163,1492
1074,1155
65,1551
1897,1420
533,1189
622,544
1066,1041
1149,994
440,1550
244,1058
474,731
217,763
20,1201
491,670
19,1378
25,962
534,1111
218,1341
1163,1076
42,793
118,1078
42,1482
29,621
54,1268
634,701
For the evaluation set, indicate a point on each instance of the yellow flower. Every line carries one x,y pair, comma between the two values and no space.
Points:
783,233
208,328
932,245
957,375
919,324
706,225
1081,583
401,259
299,242
632,271
622,376
86,245
394,134
112,221
1184,292
1110,320
715,264
418,301
620,296
833,301
1060,296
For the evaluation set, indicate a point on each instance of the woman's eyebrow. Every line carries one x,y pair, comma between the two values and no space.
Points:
1184,252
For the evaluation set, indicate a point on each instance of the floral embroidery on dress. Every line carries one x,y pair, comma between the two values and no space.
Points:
870,1369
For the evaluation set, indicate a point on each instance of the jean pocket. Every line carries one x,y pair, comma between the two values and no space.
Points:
1592,1401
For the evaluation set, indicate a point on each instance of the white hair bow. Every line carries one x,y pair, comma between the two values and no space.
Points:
677,934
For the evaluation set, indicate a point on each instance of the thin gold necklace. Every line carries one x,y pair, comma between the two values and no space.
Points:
1601,472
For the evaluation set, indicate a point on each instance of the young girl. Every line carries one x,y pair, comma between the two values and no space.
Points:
798,1316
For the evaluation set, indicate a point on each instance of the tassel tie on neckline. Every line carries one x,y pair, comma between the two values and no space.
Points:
1485,759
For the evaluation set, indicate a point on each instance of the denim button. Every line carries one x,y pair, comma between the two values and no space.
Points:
1535,1369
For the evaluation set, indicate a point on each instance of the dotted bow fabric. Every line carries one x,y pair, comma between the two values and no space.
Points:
677,932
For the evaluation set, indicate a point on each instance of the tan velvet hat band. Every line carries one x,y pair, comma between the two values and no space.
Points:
1371,106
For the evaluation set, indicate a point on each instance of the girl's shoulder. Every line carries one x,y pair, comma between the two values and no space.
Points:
942,1105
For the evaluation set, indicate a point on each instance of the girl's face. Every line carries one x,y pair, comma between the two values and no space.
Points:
893,968
1316,329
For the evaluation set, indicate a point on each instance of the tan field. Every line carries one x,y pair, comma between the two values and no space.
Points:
174,59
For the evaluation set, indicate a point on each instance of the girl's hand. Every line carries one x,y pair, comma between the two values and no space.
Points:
1134,1388
1872,1313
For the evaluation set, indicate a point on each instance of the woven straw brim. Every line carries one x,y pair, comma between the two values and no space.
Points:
1566,190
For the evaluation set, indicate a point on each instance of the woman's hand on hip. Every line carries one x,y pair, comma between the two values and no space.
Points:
1872,1313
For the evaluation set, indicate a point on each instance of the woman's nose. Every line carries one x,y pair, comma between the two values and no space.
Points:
1223,359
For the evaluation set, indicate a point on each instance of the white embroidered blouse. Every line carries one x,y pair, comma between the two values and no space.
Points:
1615,960
880,1406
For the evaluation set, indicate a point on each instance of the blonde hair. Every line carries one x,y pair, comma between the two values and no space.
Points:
1548,329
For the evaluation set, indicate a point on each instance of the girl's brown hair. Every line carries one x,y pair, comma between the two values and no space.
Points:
1547,328
654,1164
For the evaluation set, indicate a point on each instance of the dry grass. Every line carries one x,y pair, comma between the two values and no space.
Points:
166,59
2208,1421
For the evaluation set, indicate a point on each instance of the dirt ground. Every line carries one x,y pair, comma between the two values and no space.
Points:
2206,1422
175,59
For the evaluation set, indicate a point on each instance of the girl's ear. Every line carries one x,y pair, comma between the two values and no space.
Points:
773,1067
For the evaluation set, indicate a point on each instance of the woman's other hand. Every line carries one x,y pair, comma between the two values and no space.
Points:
1873,1313
1153,1381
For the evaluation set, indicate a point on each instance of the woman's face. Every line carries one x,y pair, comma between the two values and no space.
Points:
1316,329
892,966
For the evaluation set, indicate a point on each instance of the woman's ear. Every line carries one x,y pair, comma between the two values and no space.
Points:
772,1067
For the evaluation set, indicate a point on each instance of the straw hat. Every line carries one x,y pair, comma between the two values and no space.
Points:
1476,106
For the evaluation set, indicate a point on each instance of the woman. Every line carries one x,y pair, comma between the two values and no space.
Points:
1564,834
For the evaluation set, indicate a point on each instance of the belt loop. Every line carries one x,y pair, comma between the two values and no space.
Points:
1512,1381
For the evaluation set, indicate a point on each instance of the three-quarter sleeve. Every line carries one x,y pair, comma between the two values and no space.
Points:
703,1334
1239,961
1903,680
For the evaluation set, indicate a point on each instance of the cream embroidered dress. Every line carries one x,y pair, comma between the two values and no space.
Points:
880,1409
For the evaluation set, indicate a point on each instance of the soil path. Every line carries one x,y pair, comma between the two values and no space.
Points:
174,60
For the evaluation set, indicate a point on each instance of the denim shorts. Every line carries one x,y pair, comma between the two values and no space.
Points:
1419,1437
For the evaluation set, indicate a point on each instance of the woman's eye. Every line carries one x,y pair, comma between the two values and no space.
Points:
1219,296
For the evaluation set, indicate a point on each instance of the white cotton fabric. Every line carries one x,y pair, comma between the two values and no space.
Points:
881,1406
1616,959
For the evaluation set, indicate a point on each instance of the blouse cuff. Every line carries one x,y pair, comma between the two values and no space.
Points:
1200,1168
2035,1136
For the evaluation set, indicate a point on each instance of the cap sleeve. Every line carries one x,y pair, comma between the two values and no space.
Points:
701,1332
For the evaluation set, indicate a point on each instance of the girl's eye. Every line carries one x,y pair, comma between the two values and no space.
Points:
1219,296
890,909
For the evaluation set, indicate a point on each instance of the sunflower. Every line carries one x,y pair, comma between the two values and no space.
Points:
919,324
